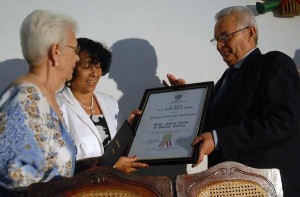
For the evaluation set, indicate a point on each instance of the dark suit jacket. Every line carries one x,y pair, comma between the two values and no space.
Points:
258,121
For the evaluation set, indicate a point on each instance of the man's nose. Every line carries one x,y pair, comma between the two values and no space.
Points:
220,44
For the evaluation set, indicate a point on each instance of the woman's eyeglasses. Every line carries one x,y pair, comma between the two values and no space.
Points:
76,49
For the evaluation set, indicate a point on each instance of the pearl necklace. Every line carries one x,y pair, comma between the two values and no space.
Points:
91,107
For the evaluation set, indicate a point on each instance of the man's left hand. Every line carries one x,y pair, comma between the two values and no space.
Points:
207,145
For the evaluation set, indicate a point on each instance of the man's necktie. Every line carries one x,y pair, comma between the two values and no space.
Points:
225,84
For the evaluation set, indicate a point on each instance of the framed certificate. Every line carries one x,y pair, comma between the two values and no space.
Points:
171,119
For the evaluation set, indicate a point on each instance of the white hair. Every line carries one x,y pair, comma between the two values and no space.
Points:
244,16
40,30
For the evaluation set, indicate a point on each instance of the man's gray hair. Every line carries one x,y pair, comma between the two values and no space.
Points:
40,30
244,15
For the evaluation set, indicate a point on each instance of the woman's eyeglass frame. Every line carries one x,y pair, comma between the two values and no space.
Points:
76,49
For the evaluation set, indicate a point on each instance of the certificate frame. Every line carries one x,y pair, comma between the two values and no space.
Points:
171,119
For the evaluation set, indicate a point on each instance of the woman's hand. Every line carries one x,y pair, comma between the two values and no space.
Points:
132,116
129,164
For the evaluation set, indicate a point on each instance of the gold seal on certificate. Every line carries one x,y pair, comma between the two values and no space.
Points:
171,119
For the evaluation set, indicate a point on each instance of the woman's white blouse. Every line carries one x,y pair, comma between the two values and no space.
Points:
85,134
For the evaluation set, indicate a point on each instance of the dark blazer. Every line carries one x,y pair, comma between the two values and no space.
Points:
257,123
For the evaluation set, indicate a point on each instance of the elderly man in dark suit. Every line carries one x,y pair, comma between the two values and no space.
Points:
254,114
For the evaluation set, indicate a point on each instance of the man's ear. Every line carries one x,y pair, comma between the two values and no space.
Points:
252,33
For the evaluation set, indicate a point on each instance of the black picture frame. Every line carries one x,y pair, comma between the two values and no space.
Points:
158,124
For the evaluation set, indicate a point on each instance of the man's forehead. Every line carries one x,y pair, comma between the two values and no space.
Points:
227,23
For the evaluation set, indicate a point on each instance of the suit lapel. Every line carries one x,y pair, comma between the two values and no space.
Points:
239,76
233,89
108,113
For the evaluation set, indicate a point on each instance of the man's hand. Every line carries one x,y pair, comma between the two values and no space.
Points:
129,164
207,145
173,81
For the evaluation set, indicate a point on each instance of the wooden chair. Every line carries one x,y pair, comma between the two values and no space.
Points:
104,182
230,179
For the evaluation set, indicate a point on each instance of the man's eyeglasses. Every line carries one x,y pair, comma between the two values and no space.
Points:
76,49
225,37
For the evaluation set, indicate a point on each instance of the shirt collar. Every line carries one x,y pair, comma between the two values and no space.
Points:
239,63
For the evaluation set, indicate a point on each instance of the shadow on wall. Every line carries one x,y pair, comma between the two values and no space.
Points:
133,68
10,70
253,9
297,59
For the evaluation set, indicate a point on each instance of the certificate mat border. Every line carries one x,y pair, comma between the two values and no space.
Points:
181,160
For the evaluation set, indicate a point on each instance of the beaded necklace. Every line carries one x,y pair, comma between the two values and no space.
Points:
90,107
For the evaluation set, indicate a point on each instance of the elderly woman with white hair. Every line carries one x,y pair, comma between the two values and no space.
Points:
34,143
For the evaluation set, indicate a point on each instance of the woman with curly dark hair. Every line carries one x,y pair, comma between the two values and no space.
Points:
91,116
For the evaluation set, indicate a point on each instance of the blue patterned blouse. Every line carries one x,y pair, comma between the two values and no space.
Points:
34,144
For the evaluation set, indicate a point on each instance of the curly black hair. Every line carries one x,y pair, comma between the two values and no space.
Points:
97,53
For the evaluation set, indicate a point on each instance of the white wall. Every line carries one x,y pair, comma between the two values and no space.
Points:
149,39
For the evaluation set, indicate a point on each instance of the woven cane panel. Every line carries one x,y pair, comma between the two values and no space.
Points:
106,193
234,188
